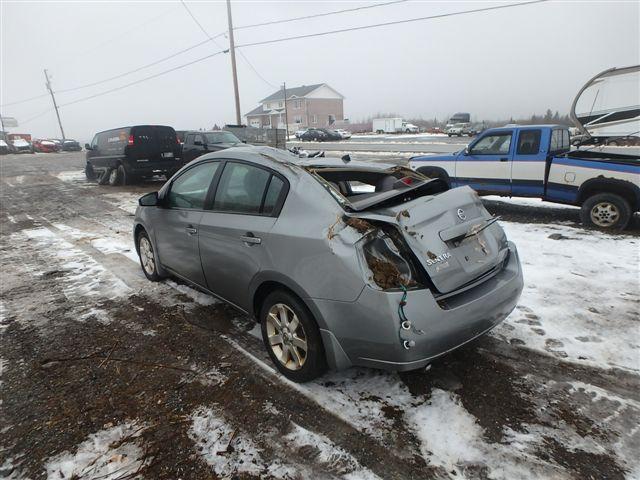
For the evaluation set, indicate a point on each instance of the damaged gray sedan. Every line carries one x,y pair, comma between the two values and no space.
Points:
342,263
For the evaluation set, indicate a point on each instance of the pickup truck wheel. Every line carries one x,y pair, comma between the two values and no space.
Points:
291,337
606,211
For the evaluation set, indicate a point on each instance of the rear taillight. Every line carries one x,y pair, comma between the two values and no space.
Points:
384,266
177,140
130,140
407,180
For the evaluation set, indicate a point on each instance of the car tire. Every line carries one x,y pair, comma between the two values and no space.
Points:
89,172
286,344
606,211
118,176
147,256
103,178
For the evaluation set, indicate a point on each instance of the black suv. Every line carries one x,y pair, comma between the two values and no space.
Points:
126,155
199,143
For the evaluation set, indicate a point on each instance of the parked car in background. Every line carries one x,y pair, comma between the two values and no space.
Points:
459,129
389,279
5,148
58,143
300,132
345,134
435,131
180,135
45,146
69,145
126,155
198,143
320,135
410,127
20,145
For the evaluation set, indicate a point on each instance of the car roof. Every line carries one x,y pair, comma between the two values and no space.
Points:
269,156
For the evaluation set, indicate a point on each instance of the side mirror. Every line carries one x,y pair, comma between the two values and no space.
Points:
87,146
149,200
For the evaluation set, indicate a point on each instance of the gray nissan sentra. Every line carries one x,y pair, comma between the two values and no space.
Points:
342,263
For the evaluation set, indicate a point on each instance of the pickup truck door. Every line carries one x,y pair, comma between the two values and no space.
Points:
486,164
529,163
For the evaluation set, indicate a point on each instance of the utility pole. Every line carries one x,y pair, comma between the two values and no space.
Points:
55,105
286,116
232,49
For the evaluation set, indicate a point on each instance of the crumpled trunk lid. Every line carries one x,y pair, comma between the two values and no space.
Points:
451,234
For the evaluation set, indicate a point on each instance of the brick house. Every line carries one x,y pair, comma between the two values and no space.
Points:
307,106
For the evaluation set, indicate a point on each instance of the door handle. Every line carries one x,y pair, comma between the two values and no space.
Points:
504,159
190,230
250,238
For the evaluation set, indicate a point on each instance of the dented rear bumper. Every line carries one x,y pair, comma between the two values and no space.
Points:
367,331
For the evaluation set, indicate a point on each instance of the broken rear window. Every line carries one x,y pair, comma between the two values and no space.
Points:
360,188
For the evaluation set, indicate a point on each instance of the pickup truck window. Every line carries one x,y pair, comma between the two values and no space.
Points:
559,141
492,145
529,142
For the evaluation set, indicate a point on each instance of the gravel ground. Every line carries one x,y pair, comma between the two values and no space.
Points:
106,375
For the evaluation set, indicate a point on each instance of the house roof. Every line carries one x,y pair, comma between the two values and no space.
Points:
296,91
259,110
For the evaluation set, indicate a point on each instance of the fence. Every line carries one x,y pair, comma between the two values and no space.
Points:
272,137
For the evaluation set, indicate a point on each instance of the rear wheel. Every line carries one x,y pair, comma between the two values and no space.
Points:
103,177
291,337
117,176
606,211
147,257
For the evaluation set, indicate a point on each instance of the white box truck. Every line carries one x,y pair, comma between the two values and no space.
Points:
387,125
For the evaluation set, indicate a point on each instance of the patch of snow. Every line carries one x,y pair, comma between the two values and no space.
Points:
124,200
527,202
451,438
72,232
213,435
581,298
108,454
73,176
209,377
81,274
199,297
3,316
110,245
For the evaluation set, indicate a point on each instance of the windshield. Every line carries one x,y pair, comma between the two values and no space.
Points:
221,137
361,188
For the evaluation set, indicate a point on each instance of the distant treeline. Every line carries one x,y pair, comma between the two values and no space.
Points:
364,125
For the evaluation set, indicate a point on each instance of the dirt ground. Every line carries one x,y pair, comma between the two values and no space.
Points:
87,345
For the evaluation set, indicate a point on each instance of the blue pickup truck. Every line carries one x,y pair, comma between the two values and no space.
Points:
538,161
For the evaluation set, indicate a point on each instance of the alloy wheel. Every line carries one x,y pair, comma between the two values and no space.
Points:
287,338
146,256
604,214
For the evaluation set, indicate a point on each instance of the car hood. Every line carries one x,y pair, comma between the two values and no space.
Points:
452,235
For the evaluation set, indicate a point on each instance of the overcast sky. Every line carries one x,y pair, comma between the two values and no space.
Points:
494,64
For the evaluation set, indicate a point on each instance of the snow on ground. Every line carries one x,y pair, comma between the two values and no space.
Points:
83,276
581,295
109,454
527,202
123,200
73,176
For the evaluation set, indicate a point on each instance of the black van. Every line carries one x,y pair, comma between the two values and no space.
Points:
125,155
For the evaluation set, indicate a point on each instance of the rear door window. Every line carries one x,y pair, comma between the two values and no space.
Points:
273,195
190,189
241,189
529,142
559,141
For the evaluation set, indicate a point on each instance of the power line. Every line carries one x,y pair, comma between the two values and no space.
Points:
93,84
187,49
22,122
142,79
306,17
244,57
25,100
266,42
385,24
